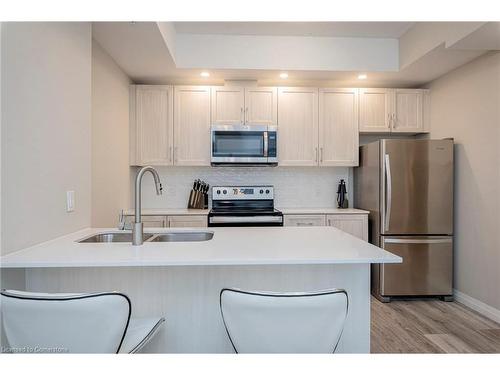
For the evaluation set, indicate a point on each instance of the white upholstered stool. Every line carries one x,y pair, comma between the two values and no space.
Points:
73,323
268,322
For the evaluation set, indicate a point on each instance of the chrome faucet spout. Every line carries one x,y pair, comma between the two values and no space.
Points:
137,228
159,188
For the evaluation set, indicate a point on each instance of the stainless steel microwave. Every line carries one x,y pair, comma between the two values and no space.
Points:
246,145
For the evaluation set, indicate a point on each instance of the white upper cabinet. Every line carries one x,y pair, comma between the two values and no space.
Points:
408,111
374,110
317,127
151,138
426,110
261,105
298,126
338,127
240,105
393,110
192,125
228,105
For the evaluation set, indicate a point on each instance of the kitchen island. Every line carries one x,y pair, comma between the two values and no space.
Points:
182,280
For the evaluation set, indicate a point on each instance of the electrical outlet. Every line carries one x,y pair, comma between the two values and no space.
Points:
70,201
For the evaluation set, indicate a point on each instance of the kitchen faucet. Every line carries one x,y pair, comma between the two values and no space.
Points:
137,227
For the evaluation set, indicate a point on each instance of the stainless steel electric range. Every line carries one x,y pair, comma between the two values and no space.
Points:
243,206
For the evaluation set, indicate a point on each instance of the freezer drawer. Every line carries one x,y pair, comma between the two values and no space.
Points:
427,268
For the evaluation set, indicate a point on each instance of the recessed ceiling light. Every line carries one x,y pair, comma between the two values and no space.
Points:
284,75
205,74
362,76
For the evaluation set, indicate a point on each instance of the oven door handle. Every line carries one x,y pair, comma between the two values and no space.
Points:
245,219
266,144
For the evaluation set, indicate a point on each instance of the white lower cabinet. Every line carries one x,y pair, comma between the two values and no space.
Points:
357,225
172,221
304,220
148,221
187,221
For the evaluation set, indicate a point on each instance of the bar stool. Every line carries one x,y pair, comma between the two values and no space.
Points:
73,323
268,322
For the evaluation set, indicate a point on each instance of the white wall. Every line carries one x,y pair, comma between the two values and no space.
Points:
294,186
465,105
110,139
423,37
210,51
46,110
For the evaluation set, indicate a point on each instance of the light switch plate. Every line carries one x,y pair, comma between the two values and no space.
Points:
70,201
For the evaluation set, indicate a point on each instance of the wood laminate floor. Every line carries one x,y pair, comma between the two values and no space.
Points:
431,326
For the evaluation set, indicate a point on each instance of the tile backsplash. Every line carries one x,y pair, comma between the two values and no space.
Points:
294,186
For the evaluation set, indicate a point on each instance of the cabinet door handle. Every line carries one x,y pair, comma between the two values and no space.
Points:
241,115
389,117
394,120
321,155
246,114
304,224
316,152
175,154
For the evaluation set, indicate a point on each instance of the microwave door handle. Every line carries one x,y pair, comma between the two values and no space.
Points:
266,144
388,203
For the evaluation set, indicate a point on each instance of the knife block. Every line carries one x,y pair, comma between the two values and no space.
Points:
197,199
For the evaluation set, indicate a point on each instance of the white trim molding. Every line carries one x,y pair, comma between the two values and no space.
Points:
478,306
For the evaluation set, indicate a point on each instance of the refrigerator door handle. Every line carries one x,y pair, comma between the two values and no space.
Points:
388,203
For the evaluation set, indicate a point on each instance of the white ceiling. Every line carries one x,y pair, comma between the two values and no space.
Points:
143,52
326,29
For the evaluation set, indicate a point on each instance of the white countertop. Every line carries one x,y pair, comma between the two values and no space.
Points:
229,246
286,211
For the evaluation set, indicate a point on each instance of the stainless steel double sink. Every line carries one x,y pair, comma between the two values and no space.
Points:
180,236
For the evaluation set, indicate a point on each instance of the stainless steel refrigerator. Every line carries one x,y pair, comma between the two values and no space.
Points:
407,185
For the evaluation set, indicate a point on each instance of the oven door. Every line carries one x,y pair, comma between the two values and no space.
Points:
241,144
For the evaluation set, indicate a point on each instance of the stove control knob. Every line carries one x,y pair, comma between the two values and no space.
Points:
261,191
218,191
224,191
267,191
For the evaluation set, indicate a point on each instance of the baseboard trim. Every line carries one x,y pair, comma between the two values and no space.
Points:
476,305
